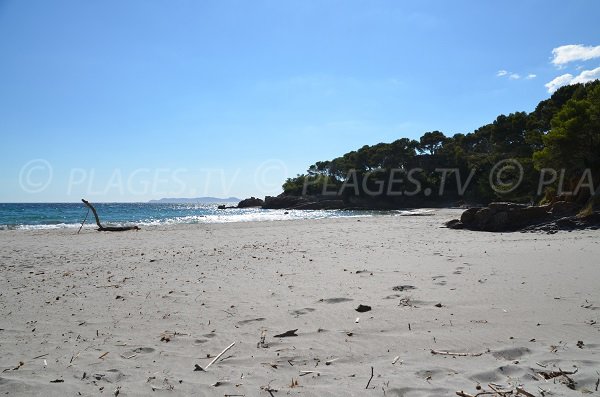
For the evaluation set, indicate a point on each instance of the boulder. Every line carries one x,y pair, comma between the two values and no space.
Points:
482,218
564,208
321,205
468,216
501,217
283,202
455,224
250,202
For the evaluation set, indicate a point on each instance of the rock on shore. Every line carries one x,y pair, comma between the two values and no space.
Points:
506,217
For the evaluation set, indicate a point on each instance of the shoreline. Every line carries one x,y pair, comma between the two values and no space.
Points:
137,311
293,215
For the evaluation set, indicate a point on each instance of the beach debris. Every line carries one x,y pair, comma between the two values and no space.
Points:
166,336
107,228
84,219
294,383
117,391
357,320
219,356
463,394
403,287
563,375
329,362
580,344
304,373
406,302
269,389
446,353
287,334
261,342
371,378
363,308
21,363
57,381
101,357
198,368
438,305
395,360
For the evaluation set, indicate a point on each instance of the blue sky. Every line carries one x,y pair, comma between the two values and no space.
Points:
135,100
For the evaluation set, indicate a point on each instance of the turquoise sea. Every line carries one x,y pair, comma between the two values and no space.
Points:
61,215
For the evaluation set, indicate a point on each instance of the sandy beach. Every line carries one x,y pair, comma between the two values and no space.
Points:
145,313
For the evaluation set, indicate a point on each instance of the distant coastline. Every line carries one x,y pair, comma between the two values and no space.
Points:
202,200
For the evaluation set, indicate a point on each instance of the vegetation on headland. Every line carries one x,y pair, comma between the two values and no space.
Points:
552,151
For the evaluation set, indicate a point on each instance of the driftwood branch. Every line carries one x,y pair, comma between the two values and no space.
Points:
370,379
445,353
219,356
107,228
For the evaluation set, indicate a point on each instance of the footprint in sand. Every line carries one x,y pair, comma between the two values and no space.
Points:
243,322
335,300
300,312
143,350
134,352
511,354
403,287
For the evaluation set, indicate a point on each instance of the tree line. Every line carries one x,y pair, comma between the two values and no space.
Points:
556,147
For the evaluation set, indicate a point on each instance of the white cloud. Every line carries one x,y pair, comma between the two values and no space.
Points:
587,75
501,73
514,76
574,52
567,79
558,82
531,76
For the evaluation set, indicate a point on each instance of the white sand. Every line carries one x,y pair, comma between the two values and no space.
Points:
99,303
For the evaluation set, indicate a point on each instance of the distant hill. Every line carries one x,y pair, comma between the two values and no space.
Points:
202,200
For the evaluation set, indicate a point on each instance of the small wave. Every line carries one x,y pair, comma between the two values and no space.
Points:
416,212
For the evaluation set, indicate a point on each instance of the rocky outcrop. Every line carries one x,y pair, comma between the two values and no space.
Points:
506,217
500,217
303,203
250,202
591,221
283,202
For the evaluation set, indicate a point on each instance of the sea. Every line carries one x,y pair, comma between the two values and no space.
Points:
71,215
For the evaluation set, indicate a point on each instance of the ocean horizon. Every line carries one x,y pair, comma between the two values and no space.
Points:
71,215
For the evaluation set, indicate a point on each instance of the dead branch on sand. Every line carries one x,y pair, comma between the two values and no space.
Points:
219,356
107,228
445,353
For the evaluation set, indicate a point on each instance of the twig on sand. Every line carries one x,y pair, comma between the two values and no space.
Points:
445,353
463,394
522,391
262,342
369,382
219,356
84,219
304,373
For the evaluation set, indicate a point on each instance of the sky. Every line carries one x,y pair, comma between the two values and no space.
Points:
136,100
